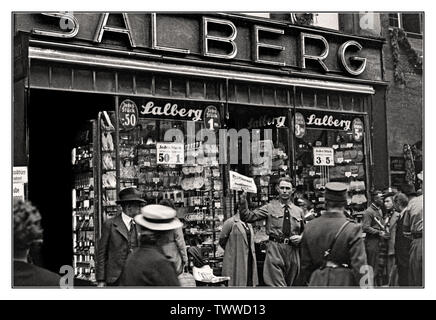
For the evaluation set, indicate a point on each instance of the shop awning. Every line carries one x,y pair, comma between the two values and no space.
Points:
128,64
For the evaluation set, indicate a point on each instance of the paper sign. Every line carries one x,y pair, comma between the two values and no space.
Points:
170,153
323,156
19,175
239,182
18,191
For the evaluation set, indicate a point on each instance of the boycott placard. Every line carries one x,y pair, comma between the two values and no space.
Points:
19,175
170,153
18,191
239,182
323,156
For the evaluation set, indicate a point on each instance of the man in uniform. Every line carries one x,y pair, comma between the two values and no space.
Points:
332,248
284,225
373,227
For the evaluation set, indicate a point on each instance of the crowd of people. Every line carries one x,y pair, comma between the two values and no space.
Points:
144,245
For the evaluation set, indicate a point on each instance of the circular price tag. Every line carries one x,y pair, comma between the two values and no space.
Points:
128,114
212,118
357,130
300,125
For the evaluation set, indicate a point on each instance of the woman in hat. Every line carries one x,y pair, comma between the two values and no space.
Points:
237,240
148,265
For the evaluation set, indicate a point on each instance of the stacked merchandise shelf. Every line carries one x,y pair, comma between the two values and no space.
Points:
84,206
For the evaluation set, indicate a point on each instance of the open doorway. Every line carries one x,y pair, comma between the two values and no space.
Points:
54,119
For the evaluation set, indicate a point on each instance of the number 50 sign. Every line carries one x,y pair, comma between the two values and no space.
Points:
128,114
323,157
170,153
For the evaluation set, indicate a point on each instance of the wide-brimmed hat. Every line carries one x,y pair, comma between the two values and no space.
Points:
158,217
130,195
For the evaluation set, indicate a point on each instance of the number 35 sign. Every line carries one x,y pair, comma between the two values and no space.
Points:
323,157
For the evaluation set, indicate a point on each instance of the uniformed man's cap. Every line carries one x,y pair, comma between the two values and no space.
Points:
377,193
389,192
336,191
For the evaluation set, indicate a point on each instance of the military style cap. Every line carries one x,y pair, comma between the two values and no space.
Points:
389,192
335,191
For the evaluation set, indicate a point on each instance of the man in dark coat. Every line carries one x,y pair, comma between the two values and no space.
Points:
119,238
372,224
148,265
332,248
402,243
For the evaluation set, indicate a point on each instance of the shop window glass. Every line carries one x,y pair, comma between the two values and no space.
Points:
256,95
321,99
308,98
104,81
282,96
178,88
196,88
213,90
411,22
125,83
268,96
61,77
162,85
232,91
38,74
334,102
143,84
241,93
347,102
83,80
345,163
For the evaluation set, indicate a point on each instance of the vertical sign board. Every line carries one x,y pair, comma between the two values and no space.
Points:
19,179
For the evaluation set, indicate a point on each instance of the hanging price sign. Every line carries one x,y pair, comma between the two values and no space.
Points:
170,153
128,114
323,156
212,118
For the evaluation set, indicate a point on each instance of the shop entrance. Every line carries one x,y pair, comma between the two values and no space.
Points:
54,120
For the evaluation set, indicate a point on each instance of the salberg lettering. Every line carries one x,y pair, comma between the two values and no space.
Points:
171,110
328,121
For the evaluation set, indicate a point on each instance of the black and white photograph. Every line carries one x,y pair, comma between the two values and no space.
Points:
217,149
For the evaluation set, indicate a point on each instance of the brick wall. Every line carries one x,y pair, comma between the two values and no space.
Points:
404,103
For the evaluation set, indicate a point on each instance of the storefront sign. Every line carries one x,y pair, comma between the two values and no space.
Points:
19,175
239,182
357,130
128,114
330,120
212,119
18,191
215,37
170,110
300,125
170,153
265,121
323,156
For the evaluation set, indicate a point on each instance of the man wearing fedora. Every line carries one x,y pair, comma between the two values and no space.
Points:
332,248
118,239
148,265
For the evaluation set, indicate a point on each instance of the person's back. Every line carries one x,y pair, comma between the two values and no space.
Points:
148,266
29,275
348,250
